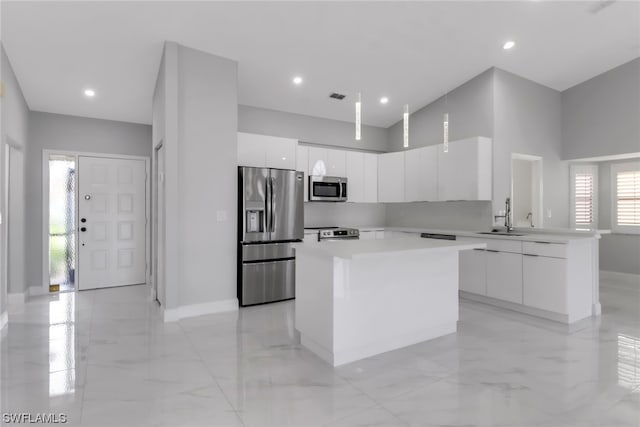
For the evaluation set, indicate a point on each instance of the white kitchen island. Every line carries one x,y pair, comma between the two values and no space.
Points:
359,298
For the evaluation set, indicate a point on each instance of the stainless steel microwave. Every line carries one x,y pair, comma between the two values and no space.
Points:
327,189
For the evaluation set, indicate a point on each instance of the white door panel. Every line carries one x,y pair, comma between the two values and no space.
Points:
112,200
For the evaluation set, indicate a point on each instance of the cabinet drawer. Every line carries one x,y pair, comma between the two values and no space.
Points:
504,246
556,250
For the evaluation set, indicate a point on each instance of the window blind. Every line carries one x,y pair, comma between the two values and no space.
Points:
584,189
628,198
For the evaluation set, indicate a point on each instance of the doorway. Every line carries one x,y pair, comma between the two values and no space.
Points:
526,190
96,232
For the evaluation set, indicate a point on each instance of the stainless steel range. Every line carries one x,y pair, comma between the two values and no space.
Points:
327,234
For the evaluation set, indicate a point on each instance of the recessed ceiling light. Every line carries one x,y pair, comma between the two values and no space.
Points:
89,93
297,80
384,100
508,45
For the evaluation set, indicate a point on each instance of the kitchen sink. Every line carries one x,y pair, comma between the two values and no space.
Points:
500,233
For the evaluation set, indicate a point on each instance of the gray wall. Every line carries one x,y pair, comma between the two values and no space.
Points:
14,130
195,118
601,116
527,120
470,108
72,134
309,129
207,117
618,252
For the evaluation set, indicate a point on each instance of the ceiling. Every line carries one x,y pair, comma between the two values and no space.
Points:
412,52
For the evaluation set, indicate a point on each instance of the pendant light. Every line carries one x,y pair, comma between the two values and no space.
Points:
405,127
358,116
445,126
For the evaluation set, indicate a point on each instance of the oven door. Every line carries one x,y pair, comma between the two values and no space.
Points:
327,189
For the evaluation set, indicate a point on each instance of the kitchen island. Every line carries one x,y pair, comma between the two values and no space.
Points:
359,298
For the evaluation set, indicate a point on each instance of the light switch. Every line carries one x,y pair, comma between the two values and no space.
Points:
548,213
221,216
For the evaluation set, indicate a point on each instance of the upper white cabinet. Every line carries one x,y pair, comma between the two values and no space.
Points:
336,162
421,174
391,177
302,164
464,172
317,161
355,176
370,178
266,151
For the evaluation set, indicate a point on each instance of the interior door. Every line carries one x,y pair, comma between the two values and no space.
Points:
112,227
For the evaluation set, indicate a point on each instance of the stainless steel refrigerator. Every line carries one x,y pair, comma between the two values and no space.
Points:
270,219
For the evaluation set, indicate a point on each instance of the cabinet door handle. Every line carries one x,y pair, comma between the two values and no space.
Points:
492,250
530,255
478,249
543,243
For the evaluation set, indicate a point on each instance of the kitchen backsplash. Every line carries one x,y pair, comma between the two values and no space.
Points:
440,215
318,214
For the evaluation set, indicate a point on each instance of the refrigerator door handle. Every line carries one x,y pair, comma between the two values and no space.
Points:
267,205
271,225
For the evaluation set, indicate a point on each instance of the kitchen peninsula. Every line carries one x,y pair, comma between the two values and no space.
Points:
359,298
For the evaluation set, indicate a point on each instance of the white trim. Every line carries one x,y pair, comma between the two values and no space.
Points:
193,310
4,319
46,153
16,298
627,278
615,168
613,157
573,170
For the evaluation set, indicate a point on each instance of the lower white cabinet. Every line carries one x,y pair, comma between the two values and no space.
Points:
504,276
545,283
473,271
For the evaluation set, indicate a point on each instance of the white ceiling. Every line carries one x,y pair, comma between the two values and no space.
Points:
411,52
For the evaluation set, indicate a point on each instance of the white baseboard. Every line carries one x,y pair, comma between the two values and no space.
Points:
4,319
622,277
16,298
193,310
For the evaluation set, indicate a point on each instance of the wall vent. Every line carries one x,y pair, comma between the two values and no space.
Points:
337,96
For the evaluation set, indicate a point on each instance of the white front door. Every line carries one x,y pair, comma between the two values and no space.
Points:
112,222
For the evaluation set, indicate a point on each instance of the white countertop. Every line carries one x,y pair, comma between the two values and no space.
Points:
367,248
548,235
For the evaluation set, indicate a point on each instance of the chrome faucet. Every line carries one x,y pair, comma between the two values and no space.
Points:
507,216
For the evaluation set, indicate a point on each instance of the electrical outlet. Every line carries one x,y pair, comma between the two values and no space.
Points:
548,213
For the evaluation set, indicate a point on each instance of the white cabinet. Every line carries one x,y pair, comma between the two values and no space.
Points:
251,150
370,178
266,151
391,177
464,172
473,271
302,165
421,174
336,163
317,161
355,176
504,276
545,283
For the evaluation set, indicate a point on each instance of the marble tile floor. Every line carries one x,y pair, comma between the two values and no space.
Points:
105,358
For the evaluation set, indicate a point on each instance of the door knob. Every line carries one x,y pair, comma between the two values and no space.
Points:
83,229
